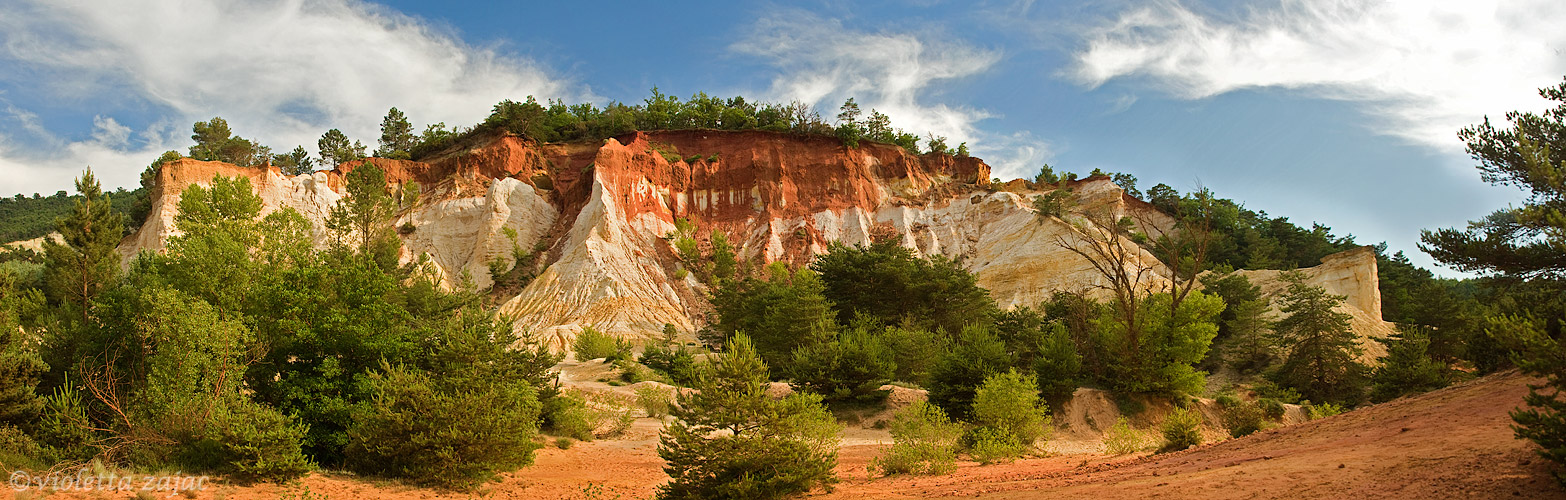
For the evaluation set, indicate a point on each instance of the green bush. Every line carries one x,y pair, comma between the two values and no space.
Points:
593,344
1182,429
976,355
1242,419
1121,439
988,445
1323,410
924,441
567,415
1271,408
1010,402
654,399
674,362
1227,400
20,451
453,436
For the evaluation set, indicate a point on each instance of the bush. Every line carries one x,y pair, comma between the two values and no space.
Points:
1268,389
988,445
1242,419
1271,408
674,362
1227,400
924,441
567,415
1182,429
1121,439
1323,410
448,435
20,451
654,399
593,344
1010,402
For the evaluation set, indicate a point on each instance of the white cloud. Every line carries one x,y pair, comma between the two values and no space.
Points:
822,63
1425,68
279,72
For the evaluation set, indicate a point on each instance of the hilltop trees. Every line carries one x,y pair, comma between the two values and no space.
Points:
335,149
397,138
215,142
296,162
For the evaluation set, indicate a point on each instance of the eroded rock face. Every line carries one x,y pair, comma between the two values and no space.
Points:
1351,274
600,213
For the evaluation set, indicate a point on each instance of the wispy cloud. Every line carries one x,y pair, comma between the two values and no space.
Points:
1425,68
821,62
280,72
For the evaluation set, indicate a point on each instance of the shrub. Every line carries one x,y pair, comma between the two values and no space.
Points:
1182,429
1227,400
1323,410
20,451
1271,408
593,344
654,399
1268,389
564,443
1121,439
976,355
924,441
1010,402
677,363
567,415
988,445
1242,419
452,435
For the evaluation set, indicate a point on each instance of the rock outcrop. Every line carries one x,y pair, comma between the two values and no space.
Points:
599,213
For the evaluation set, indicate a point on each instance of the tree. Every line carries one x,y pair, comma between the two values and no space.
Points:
888,282
852,366
1057,365
296,162
1321,351
335,149
215,142
21,368
1127,182
1407,368
1046,176
782,313
367,210
1052,204
977,354
85,264
730,440
1517,242
1250,346
397,138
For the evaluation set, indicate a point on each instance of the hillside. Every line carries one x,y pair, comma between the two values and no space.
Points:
600,215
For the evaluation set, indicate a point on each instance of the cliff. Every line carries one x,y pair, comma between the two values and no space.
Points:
599,214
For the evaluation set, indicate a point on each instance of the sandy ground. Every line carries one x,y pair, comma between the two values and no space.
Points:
1453,443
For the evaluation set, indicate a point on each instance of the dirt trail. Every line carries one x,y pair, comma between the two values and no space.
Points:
1452,443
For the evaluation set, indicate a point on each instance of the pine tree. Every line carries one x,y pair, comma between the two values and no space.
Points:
296,162
1407,368
78,270
1322,352
397,138
367,210
335,149
731,440
1250,346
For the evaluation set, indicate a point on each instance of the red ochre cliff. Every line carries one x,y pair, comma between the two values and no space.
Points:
600,212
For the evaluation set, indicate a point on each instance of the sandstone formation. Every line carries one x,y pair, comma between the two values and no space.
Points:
599,215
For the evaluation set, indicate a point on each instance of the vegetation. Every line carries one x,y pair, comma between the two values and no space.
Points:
1322,358
1006,407
924,441
1182,429
1122,439
1520,247
1242,418
592,344
730,440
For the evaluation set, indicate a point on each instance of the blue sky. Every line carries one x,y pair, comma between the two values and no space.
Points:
1340,112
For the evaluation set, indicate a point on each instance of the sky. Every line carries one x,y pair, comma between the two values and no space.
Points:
1333,111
